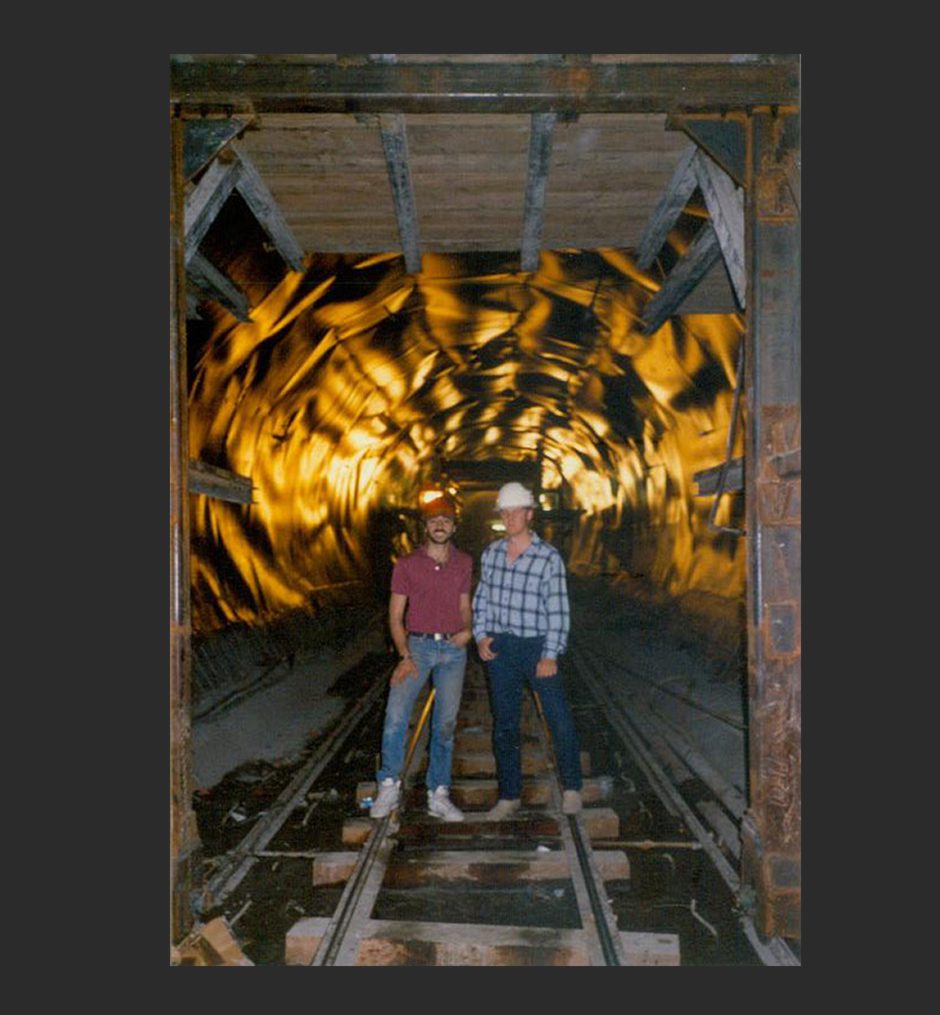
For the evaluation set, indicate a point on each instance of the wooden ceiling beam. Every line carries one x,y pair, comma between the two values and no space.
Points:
206,200
666,213
222,84
684,277
265,209
204,275
219,483
540,156
725,203
395,145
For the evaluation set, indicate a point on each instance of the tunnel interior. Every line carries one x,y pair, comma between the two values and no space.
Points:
322,393
356,386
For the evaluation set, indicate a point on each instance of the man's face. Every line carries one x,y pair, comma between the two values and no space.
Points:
440,528
515,519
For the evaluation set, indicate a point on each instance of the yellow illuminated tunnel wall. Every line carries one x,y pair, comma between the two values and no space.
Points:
353,378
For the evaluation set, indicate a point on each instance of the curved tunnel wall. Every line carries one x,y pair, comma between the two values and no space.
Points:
356,384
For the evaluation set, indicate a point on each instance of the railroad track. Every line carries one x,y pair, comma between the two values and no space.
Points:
671,761
531,890
409,851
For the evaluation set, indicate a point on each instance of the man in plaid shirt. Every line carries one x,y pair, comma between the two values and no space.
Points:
521,620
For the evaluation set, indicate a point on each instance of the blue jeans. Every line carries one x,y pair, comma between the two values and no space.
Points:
513,667
445,664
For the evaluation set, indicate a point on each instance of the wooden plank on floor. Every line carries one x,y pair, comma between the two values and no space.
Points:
494,867
484,867
401,943
599,823
303,939
404,943
642,949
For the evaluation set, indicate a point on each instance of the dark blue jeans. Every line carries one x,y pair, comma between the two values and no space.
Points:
508,673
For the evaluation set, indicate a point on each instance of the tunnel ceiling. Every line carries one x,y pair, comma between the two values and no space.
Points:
350,382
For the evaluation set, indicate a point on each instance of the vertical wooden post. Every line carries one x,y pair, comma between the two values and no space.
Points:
184,835
771,830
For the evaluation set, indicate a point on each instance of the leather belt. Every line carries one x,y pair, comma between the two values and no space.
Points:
436,635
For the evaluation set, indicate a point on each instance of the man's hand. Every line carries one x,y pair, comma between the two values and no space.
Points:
486,652
406,667
546,667
461,639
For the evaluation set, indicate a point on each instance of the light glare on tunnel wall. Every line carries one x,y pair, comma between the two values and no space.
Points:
338,405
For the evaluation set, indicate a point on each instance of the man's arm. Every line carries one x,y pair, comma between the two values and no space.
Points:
558,615
463,636
480,614
396,622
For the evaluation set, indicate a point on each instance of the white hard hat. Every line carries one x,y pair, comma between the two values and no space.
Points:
514,495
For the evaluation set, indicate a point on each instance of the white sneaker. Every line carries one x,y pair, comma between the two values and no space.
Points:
570,801
502,810
387,799
440,805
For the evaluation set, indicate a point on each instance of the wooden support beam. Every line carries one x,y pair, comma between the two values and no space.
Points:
707,479
666,213
684,277
771,829
395,146
204,275
725,203
204,139
192,307
721,136
185,846
542,126
205,202
223,83
262,204
219,483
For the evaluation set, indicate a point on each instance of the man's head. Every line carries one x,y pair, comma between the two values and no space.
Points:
515,505
440,517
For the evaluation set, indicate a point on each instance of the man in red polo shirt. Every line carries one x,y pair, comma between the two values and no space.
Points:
430,621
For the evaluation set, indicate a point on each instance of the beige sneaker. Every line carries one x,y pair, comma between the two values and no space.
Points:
502,810
571,801
440,805
387,798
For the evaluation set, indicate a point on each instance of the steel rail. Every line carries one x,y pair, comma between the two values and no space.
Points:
775,951
340,942
621,668
597,916
731,797
239,860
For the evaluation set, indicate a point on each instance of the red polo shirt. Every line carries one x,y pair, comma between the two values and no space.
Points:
433,595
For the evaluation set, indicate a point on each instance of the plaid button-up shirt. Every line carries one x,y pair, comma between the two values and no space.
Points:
527,598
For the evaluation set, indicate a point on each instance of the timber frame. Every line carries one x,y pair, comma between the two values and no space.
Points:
742,119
